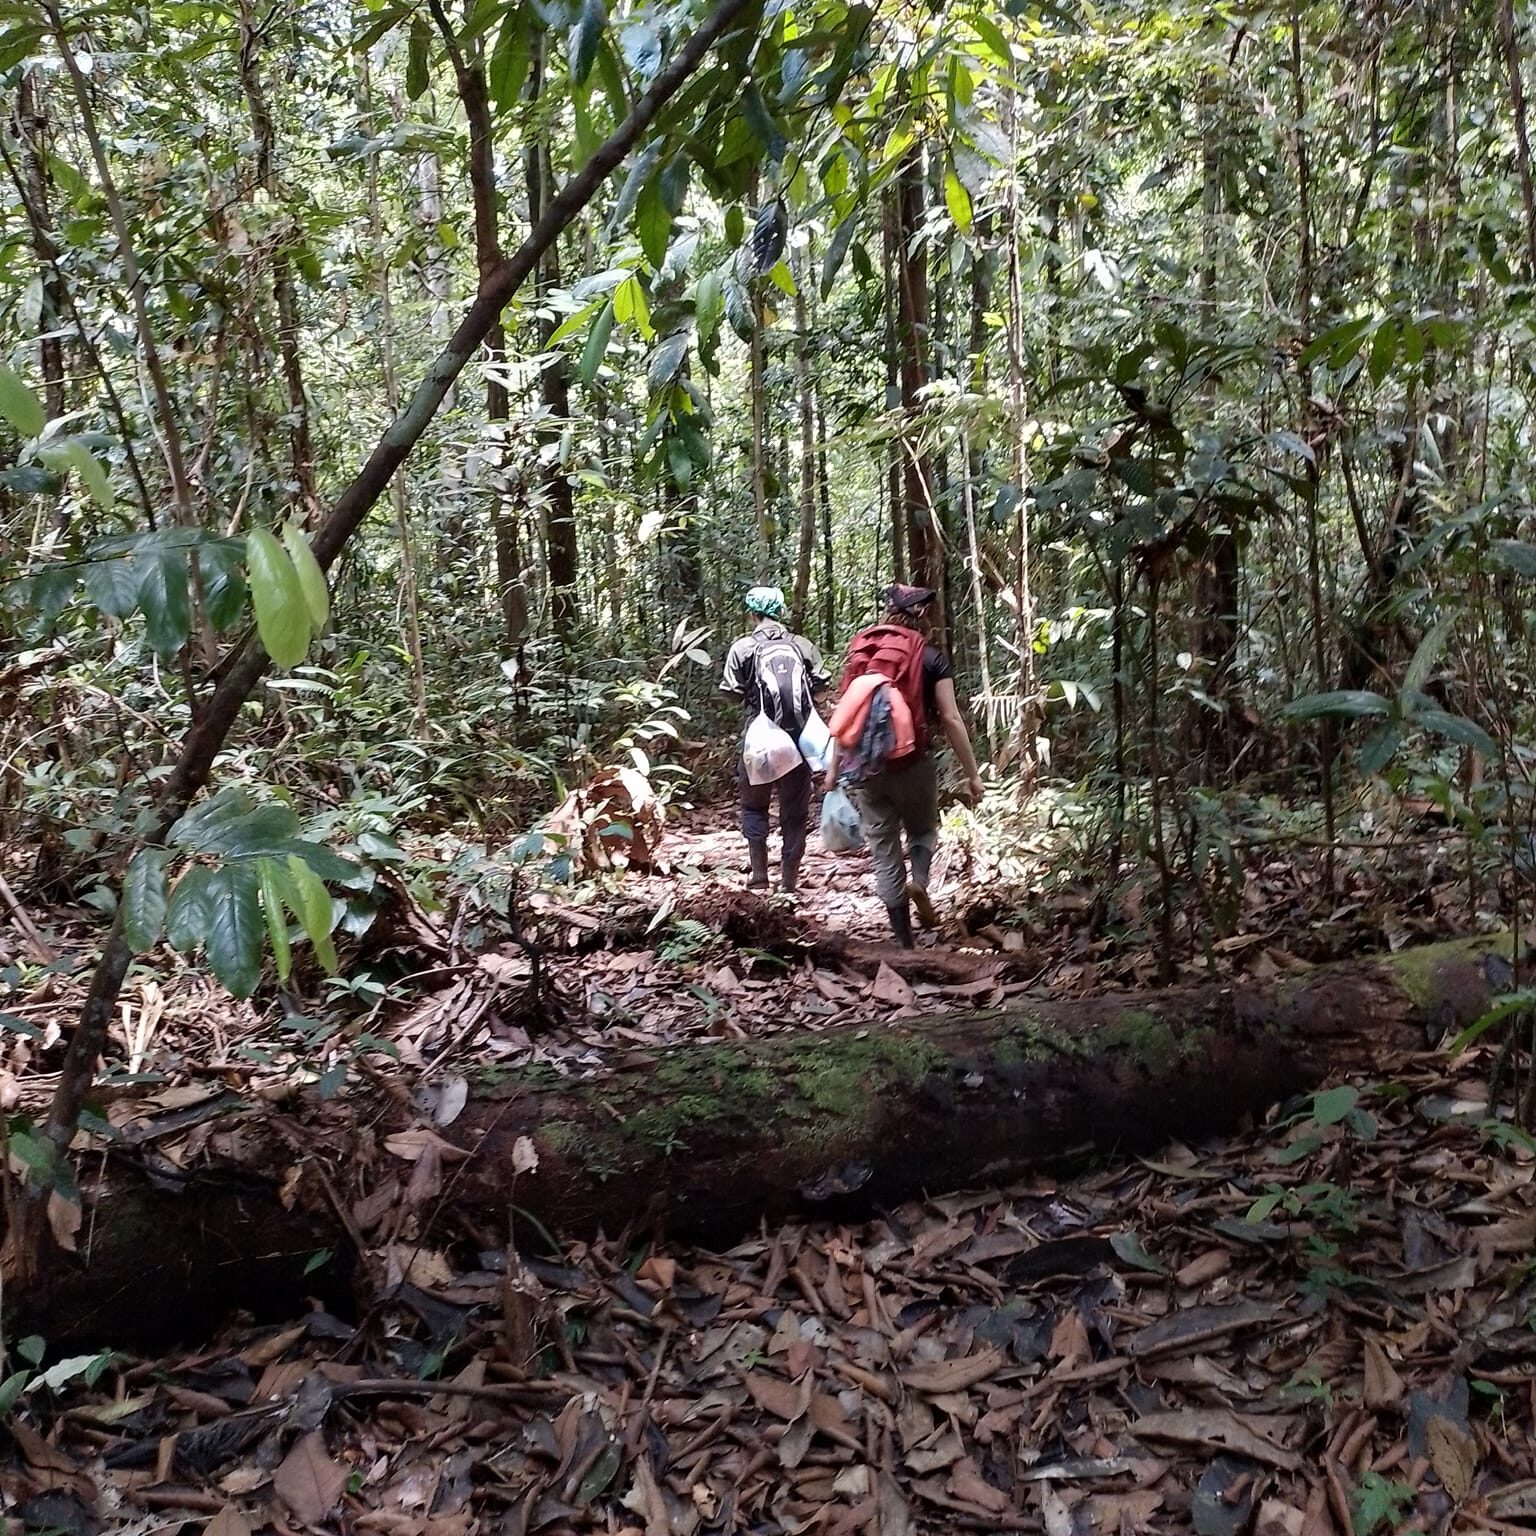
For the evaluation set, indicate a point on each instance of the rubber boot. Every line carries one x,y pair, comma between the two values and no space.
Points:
917,887
758,852
901,923
789,876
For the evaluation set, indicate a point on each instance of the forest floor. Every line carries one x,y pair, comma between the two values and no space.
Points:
1324,1324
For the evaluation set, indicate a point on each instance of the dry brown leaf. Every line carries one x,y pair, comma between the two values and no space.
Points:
893,1512
308,1481
1453,1454
1214,1429
1276,1518
64,1218
888,987
951,1375
228,1522
525,1156
1055,1512
1204,1269
1069,1344
646,1499
1383,1386
409,1145
968,1486
785,1400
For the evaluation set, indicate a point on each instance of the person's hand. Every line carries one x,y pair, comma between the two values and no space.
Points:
828,782
974,790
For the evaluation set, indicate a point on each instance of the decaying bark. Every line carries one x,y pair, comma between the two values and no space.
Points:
706,1140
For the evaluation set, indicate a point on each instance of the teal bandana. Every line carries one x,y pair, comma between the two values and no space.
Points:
766,601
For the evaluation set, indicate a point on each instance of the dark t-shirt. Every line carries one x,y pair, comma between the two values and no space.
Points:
936,667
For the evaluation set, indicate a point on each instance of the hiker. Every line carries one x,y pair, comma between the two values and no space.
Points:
895,687
778,674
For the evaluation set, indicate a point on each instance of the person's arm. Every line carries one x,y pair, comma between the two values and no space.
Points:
956,734
731,680
816,669
834,759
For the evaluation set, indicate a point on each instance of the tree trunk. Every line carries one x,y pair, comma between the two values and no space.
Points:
888,240
32,134
912,326
709,1139
554,389
807,543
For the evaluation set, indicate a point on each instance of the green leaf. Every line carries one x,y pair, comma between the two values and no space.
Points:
233,936
92,474
224,589
837,249
782,278
1514,556
142,903
735,225
19,405
276,885
282,615
313,910
666,360
1352,703
1457,728
1383,350
1128,1247
509,58
1426,654
958,201
630,306
164,598
597,345
760,120
113,585
317,596
189,912
991,38
584,35
653,222
417,59
578,320
769,231
1501,1008
1338,341
1332,1105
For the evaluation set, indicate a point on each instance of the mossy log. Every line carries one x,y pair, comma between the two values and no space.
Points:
705,1140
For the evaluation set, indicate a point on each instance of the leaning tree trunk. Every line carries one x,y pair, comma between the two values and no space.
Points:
706,1140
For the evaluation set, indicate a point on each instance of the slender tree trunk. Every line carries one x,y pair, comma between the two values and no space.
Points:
1509,41
554,389
807,448
889,236
27,1233
32,135
1326,735
828,580
301,453
758,388
923,534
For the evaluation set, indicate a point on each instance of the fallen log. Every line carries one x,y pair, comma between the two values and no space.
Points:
705,1140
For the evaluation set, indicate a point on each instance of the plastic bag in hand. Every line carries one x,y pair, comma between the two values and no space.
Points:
841,829
768,752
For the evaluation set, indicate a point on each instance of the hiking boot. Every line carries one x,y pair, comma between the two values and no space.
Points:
901,923
758,852
922,904
789,876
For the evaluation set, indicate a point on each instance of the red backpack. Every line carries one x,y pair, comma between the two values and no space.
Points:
896,651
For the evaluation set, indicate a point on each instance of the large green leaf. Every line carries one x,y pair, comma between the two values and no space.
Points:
163,596
418,59
233,937
188,912
509,58
313,910
597,345
92,473
19,405
1352,703
653,222
142,902
586,32
666,360
276,891
282,615
317,596
113,585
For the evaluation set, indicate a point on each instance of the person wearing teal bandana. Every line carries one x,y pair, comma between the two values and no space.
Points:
777,673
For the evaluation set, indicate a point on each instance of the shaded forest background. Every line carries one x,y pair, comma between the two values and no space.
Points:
1188,354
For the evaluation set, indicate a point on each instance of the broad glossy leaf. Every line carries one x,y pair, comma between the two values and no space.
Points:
1457,728
666,360
761,121
233,938
509,58
276,888
1351,703
630,306
282,615
187,913
19,405
958,201
653,222
597,345
837,249
113,585
317,596
92,473
769,232
199,825
313,910
735,224
143,898
417,59
585,33
163,596
642,50
224,589
262,830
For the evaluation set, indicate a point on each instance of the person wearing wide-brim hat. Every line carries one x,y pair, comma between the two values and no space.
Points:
778,673
902,795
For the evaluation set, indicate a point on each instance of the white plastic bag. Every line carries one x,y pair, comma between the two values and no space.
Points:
768,752
815,742
841,829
